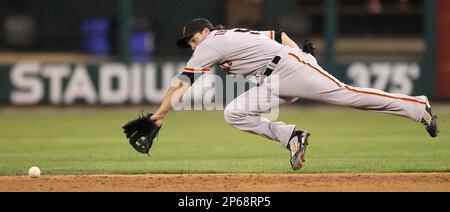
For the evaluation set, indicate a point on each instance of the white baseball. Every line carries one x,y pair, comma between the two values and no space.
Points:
34,172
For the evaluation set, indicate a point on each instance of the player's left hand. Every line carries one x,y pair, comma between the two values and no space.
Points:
308,47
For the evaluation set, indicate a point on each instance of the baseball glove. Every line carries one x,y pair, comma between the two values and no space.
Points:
141,133
308,47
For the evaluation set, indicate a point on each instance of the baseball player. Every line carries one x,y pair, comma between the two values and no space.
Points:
270,54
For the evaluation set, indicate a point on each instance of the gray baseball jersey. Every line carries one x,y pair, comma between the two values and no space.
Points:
240,51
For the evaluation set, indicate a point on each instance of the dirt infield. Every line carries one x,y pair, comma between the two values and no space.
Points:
231,182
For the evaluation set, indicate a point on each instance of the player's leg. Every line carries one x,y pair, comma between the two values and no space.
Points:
244,113
308,80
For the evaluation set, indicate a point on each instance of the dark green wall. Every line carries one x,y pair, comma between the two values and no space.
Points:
58,21
170,15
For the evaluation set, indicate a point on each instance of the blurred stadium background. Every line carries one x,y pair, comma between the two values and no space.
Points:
82,53
64,52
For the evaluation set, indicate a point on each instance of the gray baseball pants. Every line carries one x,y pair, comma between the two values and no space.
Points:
297,75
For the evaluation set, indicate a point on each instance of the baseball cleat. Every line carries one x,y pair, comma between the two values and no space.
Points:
297,146
429,120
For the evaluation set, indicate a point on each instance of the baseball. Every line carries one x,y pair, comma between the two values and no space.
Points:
34,172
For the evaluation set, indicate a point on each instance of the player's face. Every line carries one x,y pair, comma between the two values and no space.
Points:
198,38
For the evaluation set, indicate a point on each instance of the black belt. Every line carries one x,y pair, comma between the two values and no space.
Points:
271,66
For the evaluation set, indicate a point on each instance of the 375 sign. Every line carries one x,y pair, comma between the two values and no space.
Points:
390,77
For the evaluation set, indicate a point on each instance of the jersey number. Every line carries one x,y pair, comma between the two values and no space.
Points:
224,31
247,30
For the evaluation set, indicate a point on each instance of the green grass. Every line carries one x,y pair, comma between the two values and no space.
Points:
90,141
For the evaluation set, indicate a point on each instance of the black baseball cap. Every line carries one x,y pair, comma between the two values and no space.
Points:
192,27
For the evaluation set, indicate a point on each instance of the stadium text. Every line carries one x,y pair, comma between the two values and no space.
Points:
113,83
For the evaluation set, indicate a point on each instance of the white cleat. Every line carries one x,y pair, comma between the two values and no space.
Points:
429,119
297,146
430,122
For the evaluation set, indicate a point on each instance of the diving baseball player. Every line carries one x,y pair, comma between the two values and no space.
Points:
271,55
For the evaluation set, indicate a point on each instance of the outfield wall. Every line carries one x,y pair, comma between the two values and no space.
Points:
33,82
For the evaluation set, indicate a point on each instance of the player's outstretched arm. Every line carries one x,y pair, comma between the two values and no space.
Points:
175,92
307,46
287,41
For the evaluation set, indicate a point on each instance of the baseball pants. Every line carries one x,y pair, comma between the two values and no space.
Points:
298,75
